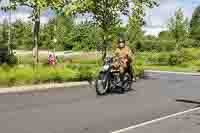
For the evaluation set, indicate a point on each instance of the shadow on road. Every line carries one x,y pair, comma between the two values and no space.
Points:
188,101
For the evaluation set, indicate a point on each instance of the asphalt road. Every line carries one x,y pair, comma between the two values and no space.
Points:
185,123
79,110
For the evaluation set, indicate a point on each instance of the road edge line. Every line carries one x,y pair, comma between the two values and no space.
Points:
154,121
172,72
41,87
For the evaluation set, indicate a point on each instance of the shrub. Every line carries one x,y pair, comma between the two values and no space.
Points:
186,55
196,63
12,60
53,74
138,71
4,80
170,58
159,59
188,43
195,53
175,58
166,45
85,72
23,75
68,74
153,45
22,59
26,74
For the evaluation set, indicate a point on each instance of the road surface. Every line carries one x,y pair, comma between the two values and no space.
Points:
79,110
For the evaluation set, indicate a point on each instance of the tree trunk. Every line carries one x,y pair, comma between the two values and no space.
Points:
104,50
9,34
36,31
104,53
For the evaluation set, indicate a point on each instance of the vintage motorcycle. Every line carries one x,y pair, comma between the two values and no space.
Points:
109,79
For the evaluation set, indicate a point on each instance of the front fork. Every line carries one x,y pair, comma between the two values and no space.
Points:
105,77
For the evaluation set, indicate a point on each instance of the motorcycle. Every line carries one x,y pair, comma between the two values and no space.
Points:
109,79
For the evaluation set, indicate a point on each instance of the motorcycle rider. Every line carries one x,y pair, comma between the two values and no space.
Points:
123,58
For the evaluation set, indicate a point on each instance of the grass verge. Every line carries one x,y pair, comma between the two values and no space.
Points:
27,75
172,68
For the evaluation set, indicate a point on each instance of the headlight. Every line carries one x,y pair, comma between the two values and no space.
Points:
106,67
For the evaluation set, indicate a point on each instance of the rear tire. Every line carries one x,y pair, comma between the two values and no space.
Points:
102,84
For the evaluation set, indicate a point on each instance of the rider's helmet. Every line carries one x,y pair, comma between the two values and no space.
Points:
121,43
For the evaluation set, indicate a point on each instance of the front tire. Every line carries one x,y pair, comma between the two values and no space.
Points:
102,84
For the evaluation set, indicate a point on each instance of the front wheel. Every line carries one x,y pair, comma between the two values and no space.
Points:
102,84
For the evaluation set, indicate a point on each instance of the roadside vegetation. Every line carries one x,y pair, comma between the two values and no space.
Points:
77,70
175,49
187,60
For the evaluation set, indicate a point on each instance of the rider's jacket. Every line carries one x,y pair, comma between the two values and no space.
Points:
125,55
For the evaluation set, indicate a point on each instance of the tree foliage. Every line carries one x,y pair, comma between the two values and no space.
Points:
106,13
36,6
136,19
165,35
179,26
195,24
4,33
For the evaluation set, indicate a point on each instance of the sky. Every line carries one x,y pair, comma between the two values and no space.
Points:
156,18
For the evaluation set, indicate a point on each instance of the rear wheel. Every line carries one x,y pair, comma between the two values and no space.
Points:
102,84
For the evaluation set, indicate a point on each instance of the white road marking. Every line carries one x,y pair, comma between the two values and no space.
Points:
170,72
154,121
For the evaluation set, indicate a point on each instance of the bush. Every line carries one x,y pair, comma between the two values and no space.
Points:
12,60
23,75
174,59
171,58
4,80
187,55
159,59
20,75
196,63
26,74
194,52
182,56
85,72
51,74
189,43
163,45
156,45
139,71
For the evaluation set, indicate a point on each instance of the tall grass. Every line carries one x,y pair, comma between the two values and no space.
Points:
43,74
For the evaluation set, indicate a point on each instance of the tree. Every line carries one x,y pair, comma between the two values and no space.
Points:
4,32
179,27
85,36
22,35
64,25
105,13
165,35
136,19
58,28
37,6
195,24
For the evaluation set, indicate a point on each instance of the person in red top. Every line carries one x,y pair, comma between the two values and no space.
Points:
52,59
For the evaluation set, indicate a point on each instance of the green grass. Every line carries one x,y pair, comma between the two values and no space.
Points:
192,65
24,75
27,75
171,68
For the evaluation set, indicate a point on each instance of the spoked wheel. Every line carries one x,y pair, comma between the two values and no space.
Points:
102,84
